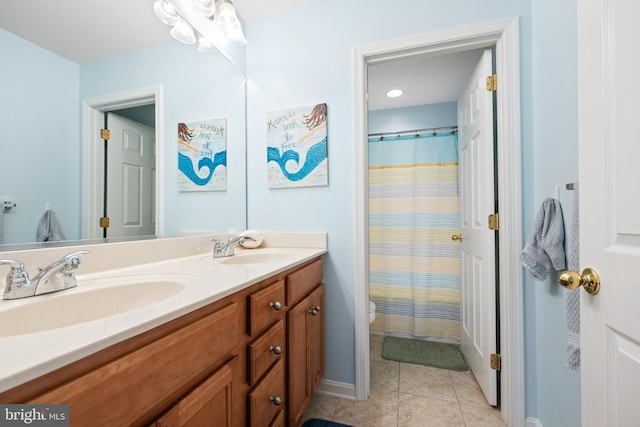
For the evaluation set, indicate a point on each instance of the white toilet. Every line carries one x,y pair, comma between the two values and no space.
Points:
372,311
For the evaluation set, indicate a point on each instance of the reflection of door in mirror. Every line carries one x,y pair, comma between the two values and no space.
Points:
129,179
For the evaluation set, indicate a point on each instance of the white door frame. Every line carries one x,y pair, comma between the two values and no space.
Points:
504,34
93,157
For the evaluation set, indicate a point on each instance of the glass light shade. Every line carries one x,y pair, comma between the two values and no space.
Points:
235,34
226,14
205,45
183,32
166,13
207,7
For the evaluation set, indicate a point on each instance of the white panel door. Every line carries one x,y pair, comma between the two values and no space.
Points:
130,178
475,144
609,152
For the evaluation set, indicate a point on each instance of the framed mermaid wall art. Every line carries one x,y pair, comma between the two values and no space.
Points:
297,147
202,155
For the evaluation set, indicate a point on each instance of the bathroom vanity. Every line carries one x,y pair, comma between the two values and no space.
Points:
245,347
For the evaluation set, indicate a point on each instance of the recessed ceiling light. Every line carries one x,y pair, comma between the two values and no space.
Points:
394,93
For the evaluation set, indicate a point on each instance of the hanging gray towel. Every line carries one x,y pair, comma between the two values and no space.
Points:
545,245
573,295
48,228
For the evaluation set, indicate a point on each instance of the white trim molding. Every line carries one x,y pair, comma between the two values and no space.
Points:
93,157
533,422
337,389
504,35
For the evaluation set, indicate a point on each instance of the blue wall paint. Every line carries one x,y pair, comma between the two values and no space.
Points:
40,140
195,87
50,88
291,62
555,149
412,118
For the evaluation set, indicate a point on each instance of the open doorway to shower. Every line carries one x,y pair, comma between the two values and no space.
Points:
431,181
504,35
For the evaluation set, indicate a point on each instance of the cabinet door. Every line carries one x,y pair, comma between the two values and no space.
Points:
210,403
305,361
315,338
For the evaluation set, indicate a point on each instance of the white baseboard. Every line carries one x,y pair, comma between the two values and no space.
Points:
532,422
337,389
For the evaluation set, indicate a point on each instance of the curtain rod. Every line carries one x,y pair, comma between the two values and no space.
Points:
416,132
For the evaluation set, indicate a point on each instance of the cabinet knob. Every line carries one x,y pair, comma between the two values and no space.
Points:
277,306
275,400
315,310
277,349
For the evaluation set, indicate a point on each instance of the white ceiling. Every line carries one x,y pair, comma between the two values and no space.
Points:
84,30
426,80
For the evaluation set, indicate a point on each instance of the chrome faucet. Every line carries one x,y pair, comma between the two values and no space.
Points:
225,249
57,276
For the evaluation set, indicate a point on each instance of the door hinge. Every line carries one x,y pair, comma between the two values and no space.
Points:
492,83
104,222
105,134
496,362
494,222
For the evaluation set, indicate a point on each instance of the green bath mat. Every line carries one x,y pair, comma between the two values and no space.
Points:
428,353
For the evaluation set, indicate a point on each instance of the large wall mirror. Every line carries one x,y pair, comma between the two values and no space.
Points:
69,66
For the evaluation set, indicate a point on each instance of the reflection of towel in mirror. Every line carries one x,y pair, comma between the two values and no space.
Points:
49,229
544,247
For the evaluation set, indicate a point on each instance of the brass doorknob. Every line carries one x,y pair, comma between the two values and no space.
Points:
589,280
457,237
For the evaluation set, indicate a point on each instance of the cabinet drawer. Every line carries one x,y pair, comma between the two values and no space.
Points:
265,308
134,388
266,350
267,398
303,281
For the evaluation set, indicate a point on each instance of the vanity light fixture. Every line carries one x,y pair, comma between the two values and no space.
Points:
394,93
219,13
166,13
183,32
205,45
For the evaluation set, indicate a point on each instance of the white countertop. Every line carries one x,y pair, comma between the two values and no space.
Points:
29,355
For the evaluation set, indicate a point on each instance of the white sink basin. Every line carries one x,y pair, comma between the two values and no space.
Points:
84,304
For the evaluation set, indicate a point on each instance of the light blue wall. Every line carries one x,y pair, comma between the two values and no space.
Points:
40,122
298,58
413,118
39,138
293,60
554,158
195,86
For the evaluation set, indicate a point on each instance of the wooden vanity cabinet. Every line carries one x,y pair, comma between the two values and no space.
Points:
252,358
211,400
305,338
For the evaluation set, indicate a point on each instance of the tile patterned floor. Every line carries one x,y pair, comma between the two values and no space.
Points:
404,395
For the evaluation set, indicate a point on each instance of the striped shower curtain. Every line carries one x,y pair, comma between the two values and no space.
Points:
414,266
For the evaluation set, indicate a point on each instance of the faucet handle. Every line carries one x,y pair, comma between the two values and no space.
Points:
17,275
72,260
13,263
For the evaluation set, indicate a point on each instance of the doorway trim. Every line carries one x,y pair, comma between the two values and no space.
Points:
92,155
504,35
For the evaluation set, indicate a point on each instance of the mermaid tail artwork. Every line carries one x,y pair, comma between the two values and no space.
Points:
315,155
186,166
